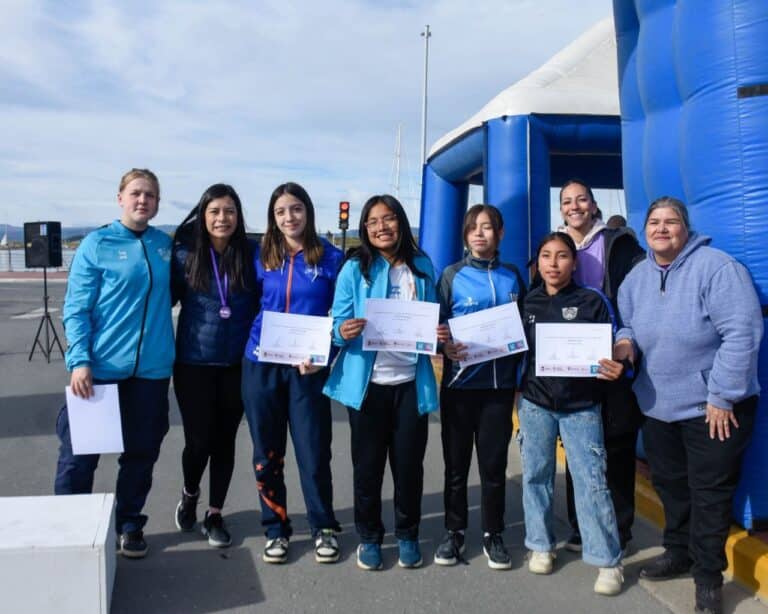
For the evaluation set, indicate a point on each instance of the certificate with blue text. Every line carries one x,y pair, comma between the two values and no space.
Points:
292,338
400,326
490,333
572,350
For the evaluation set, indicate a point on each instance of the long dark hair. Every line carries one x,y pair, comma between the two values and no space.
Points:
273,242
406,249
236,261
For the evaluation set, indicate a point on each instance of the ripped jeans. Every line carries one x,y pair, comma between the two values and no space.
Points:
582,435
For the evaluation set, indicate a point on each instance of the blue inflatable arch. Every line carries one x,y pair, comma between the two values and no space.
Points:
693,83
694,104
560,121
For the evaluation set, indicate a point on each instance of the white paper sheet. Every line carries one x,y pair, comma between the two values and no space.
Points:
401,326
291,338
94,424
490,333
571,350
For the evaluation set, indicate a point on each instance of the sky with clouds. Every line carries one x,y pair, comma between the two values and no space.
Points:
252,93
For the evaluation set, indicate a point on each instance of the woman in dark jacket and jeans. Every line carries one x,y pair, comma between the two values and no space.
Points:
211,276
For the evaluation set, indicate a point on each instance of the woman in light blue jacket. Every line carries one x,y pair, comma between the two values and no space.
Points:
388,394
117,317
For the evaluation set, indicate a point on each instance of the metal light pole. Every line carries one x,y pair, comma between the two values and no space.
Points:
426,34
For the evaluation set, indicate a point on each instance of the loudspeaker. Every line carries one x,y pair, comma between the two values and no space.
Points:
42,244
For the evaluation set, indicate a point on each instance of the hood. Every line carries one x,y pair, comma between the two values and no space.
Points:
597,228
695,241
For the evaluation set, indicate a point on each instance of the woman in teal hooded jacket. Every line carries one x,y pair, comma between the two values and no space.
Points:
388,394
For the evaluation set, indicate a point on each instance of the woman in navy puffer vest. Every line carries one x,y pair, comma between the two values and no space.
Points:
212,277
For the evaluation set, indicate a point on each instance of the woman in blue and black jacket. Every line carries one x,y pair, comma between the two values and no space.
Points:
476,402
212,278
296,272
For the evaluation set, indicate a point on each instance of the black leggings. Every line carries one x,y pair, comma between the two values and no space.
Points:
211,410
483,419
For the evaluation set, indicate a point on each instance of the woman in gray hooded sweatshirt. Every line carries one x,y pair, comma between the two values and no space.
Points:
692,313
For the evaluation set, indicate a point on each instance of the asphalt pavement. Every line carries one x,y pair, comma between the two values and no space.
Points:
183,574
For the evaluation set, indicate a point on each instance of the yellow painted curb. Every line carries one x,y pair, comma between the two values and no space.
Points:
747,555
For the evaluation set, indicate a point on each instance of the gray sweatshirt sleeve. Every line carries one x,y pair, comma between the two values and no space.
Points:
734,309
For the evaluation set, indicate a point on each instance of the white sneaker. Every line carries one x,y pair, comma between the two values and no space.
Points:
541,562
276,550
609,580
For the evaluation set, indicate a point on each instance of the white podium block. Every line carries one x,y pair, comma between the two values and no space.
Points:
57,554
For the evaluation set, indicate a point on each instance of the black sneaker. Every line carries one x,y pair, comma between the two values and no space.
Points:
496,551
450,548
186,511
666,566
326,547
213,529
709,599
574,542
132,545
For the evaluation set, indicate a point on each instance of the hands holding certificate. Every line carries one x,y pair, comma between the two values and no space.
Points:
351,328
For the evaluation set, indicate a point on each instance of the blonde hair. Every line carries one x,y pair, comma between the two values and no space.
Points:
136,173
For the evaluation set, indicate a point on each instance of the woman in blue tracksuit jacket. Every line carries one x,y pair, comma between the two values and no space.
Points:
476,402
212,278
296,273
388,394
117,318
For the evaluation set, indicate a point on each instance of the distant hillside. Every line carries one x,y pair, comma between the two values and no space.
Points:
73,233
68,233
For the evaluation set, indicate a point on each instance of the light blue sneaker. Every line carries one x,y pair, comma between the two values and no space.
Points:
369,557
410,555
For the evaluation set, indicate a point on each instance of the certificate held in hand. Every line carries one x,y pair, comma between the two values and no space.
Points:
400,326
490,333
94,423
571,350
292,338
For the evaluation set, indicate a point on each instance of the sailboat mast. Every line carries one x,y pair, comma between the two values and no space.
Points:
397,162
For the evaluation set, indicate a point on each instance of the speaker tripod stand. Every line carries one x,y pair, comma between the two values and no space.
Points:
51,338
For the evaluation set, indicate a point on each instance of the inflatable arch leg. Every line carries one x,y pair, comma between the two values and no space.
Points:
442,212
507,184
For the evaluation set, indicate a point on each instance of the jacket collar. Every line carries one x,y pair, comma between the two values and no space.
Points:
481,263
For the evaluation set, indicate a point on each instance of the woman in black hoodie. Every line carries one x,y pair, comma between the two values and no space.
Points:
570,407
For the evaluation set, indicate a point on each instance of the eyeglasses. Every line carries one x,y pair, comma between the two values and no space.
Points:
387,220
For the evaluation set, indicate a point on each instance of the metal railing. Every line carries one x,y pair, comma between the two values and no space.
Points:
13,260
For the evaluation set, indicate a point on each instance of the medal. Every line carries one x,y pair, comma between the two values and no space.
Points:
224,312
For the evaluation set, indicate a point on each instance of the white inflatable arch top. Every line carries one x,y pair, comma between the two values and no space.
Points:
582,79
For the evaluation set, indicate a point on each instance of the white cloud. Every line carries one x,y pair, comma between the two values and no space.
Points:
249,93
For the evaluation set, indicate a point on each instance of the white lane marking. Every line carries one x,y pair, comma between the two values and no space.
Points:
35,313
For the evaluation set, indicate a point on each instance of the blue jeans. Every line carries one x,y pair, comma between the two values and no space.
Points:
144,417
581,432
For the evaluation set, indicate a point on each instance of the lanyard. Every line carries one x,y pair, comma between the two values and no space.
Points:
225,311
